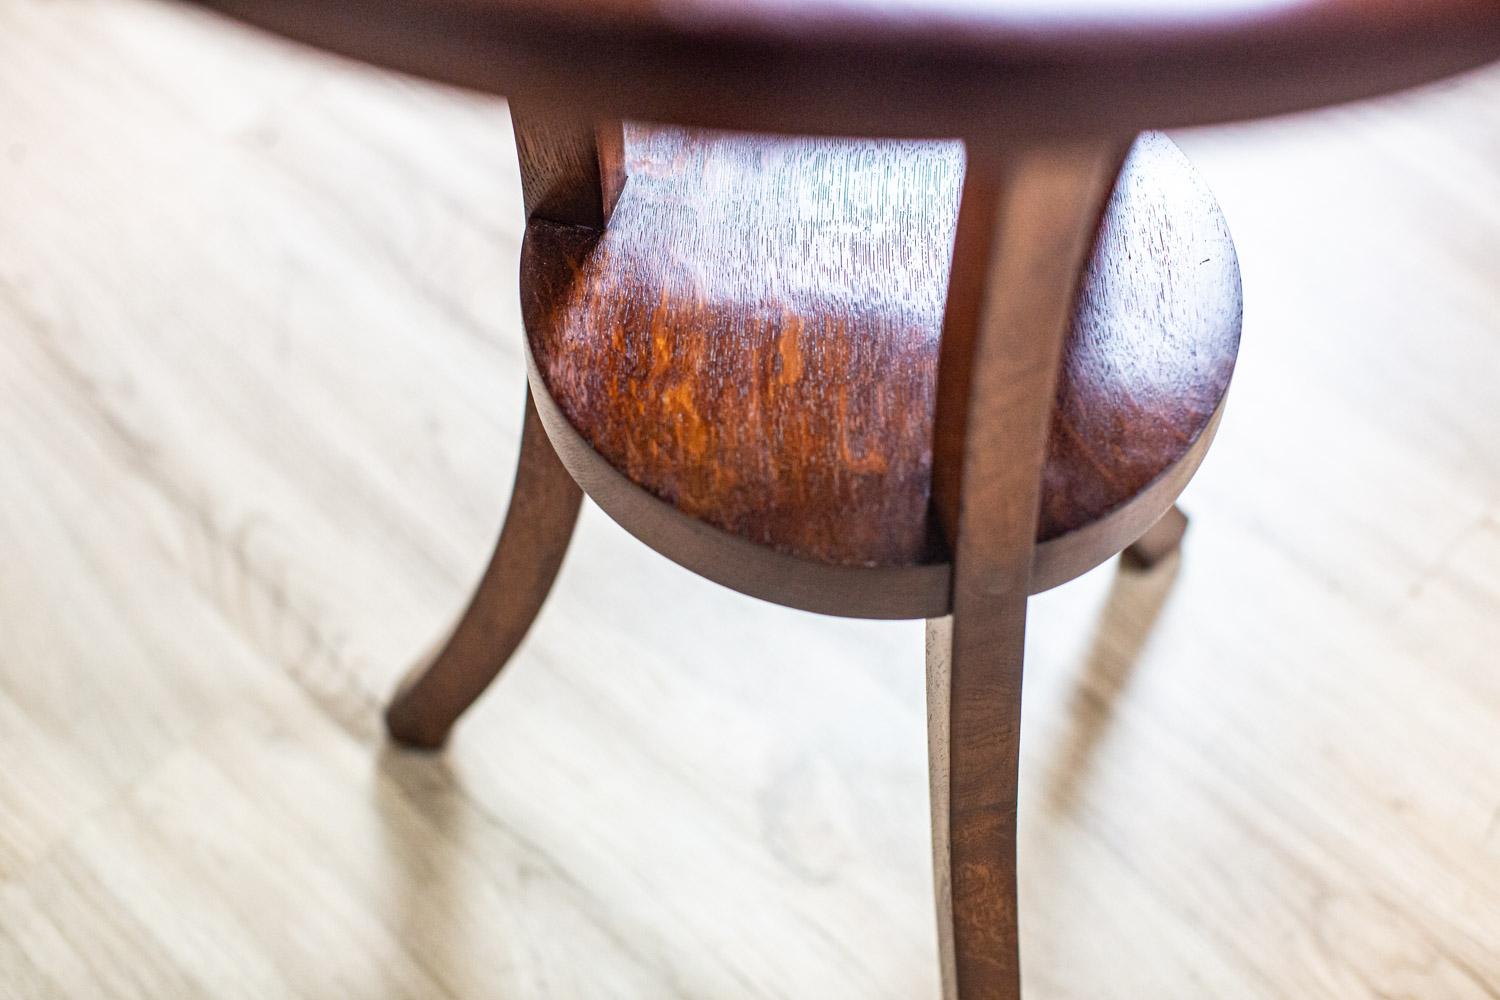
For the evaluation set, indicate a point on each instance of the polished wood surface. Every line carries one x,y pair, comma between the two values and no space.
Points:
915,68
881,592
261,389
539,521
754,339
1027,228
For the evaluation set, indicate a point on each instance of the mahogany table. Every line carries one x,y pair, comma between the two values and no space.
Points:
893,312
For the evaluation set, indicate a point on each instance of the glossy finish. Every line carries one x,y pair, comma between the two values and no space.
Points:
882,592
915,68
538,526
755,337
1028,223
260,403
744,339
572,169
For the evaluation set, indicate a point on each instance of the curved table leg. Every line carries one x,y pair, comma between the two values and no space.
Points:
1027,223
1160,541
538,525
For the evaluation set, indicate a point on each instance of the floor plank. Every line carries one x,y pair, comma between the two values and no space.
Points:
260,391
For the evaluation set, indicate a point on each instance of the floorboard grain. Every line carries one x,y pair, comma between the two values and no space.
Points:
260,387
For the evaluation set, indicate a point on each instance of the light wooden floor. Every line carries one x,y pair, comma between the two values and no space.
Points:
260,389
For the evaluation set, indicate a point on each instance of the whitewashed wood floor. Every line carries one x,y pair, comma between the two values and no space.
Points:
260,388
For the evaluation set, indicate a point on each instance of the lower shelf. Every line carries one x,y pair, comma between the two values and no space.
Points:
753,340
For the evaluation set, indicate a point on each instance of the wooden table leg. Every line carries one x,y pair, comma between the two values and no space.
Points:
1027,224
543,510
1163,538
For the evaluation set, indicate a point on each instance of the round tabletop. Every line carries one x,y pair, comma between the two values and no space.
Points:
972,68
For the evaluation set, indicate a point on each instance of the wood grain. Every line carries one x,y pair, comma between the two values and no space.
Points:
1029,225
261,381
880,592
568,175
755,337
572,171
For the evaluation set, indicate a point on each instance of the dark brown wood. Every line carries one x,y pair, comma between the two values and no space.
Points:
917,591
739,350
884,592
571,173
987,71
754,337
567,175
609,148
1061,559
771,368
974,235
543,509
1038,212
1164,538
